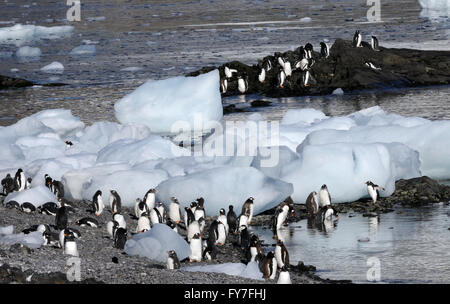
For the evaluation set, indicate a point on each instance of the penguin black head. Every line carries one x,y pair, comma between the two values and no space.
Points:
200,201
279,242
323,187
172,253
270,255
173,199
196,236
193,204
230,208
113,191
309,47
152,190
222,211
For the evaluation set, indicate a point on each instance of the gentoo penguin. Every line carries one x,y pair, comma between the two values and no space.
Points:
139,208
27,207
120,238
172,260
199,212
196,248
262,75
325,214
162,211
357,39
28,183
223,85
244,238
48,181
120,220
57,188
223,219
213,231
87,221
155,216
247,209
172,225
243,220
287,68
254,249
115,202
7,184
97,202
281,214
324,196
371,65
242,83
70,245
193,206
279,58
324,50
308,49
306,77
143,223
111,227
281,78
209,249
269,266
174,210
12,204
34,228
68,231
374,44
302,64
19,180
373,189
231,220
49,208
282,255
68,144
61,218
312,203
284,277
192,229
229,72
50,238
267,64
188,216
149,199
221,233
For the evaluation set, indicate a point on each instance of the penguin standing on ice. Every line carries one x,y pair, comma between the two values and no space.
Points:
149,199
324,50
247,209
374,44
61,218
19,180
196,248
324,196
282,255
8,184
357,39
373,189
115,202
232,219
172,260
174,210
312,203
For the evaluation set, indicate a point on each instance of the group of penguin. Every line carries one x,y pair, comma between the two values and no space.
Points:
283,65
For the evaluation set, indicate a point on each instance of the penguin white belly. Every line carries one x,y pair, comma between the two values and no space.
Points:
324,198
109,228
287,68
161,212
241,85
70,248
22,181
174,213
101,206
243,220
121,220
223,220
61,239
281,218
143,224
198,214
154,217
193,228
262,75
253,253
372,193
222,234
150,201
251,214
274,268
170,264
284,278
196,250
328,214
278,256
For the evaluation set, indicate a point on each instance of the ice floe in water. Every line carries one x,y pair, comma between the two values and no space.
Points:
53,68
20,34
27,52
85,50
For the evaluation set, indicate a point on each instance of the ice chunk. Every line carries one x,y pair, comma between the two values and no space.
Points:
84,50
32,240
338,91
155,243
345,167
60,121
165,105
7,230
20,35
36,195
251,270
434,8
130,184
223,186
28,51
306,20
40,147
281,155
135,151
53,68
302,116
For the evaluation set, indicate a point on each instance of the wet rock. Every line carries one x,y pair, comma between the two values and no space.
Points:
301,267
260,103
11,82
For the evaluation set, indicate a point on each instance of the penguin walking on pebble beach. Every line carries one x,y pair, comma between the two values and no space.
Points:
115,202
172,260
196,248
373,191
61,218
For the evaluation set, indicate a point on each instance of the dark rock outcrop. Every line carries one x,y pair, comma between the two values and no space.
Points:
345,68
15,83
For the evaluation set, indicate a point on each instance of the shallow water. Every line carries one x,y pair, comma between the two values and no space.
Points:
410,244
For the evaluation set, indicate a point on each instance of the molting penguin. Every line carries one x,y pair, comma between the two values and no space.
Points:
374,44
232,219
61,218
120,238
115,202
282,255
174,210
223,219
149,199
357,39
324,196
7,184
312,203
143,224
97,203
324,50
172,260
19,180
196,248
247,209
373,189
269,266
87,221
139,208
242,83
27,207
284,277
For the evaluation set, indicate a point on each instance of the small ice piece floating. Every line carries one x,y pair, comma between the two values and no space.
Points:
53,68
83,50
155,243
20,34
167,105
